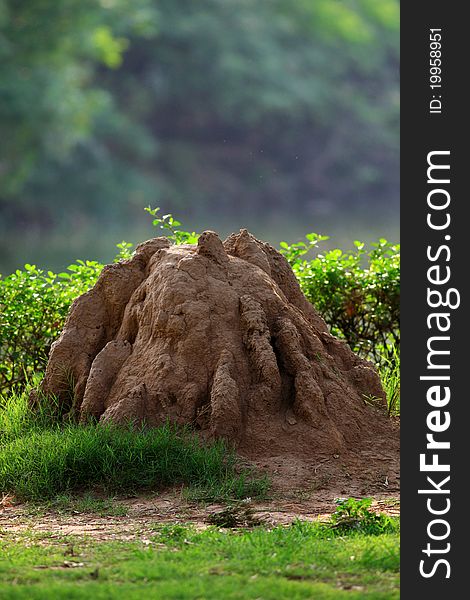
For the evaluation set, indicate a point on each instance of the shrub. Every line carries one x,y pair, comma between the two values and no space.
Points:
33,307
357,293
353,515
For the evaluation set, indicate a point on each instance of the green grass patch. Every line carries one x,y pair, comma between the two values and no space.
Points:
389,371
355,515
40,459
87,503
301,561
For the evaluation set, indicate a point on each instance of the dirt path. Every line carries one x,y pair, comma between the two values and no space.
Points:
139,517
300,490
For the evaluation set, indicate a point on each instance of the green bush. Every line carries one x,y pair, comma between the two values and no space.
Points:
357,293
33,307
353,515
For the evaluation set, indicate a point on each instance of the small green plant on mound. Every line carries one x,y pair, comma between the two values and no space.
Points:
41,458
353,515
171,227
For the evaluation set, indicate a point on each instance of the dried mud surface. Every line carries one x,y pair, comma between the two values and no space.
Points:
143,515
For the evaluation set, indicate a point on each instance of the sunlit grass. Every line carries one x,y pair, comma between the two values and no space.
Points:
41,458
301,561
389,370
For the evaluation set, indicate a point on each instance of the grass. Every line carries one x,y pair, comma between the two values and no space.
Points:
389,371
302,561
40,459
87,504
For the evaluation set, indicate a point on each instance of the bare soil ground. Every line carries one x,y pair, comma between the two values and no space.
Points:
300,491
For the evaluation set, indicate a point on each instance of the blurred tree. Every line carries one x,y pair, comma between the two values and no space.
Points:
51,103
270,104
49,51
217,105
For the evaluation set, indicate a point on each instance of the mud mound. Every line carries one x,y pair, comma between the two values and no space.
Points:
219,336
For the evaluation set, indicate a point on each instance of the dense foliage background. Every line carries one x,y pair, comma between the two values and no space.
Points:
279,116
